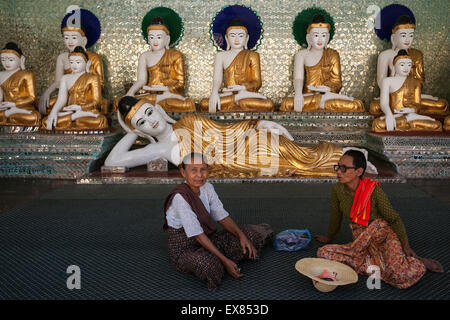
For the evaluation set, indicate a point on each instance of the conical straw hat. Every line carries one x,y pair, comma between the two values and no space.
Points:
316,268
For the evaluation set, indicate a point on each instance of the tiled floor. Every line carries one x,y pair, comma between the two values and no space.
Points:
16,192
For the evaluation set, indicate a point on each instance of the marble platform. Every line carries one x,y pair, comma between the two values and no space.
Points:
54,155
415,155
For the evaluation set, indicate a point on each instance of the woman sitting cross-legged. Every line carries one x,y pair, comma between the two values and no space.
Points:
379,236
195,246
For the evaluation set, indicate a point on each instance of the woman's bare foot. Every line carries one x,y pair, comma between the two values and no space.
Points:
432,265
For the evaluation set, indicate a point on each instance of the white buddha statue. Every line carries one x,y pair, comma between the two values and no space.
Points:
83,33
317,73
173,140
400,100
240,70
18,96
78,104
160,73
402,37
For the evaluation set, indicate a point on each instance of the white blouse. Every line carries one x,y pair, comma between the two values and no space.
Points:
180,214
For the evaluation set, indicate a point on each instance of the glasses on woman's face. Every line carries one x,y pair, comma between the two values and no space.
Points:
342,168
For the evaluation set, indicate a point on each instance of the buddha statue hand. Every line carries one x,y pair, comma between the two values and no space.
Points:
14,110
156,88
274,128
390,122
52,120
414,116
323,89
405,111
427,96
299,102
234,88
81,113
43,102
7,105
72,107
214,102
168,95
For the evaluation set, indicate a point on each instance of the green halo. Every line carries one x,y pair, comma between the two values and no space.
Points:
302,21
171,19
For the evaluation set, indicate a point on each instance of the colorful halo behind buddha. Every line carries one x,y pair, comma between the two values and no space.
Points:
89,25
171,19
249,18
387,17
303,20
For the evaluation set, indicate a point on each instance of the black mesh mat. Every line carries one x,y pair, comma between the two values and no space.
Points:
121,249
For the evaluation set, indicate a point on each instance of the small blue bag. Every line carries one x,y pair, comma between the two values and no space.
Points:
292,240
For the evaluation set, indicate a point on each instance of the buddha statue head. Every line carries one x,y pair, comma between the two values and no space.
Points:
236,27
236,35
79,60
162,28
158,34
313,28
318,32
403,33
143,118
396,23
80,28
12,57
402,64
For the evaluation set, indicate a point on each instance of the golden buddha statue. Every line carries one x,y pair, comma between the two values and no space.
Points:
18,96
161,74
400,98
398,25
250,148
237,66
79,98
317,69
84,32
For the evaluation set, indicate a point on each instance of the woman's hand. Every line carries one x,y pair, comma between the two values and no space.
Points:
408,251
323,239
248,247
232,268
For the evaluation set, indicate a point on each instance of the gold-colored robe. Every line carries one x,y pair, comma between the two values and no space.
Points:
447,123
408,96
86,92
327,72
169,71
245,157
244,70
427,106
20,88
95,68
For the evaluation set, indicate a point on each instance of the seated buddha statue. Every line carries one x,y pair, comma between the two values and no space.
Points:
398,25
232,150
79,98
160,73
237,66
317,69
18,96
400,99
81,28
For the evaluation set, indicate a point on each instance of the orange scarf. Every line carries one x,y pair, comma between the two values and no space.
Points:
360,212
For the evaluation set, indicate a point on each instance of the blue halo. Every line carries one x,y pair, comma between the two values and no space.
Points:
387,17
89,24
248,17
